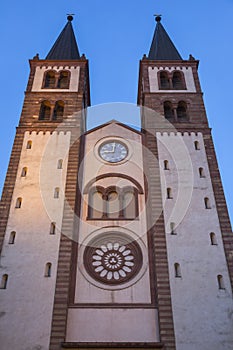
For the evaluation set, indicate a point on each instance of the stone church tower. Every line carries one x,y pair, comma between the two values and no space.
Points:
114,238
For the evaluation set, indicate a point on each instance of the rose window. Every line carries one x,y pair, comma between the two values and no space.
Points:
113,261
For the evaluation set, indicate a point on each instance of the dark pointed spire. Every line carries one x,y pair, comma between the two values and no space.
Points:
65,47
162,48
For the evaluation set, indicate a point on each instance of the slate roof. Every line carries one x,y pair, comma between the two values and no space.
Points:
65,47
162,48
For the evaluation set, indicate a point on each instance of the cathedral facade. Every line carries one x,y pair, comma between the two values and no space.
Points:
114,237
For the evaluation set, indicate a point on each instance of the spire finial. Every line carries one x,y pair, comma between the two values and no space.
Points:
158,18
70,17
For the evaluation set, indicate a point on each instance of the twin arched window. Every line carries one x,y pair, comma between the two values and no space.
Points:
47,112
113,203
178,113
171,81
56,80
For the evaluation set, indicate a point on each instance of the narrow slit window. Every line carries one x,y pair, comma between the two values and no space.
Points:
48,269
213,238
4,280
177,270
29,144
12,237
52,228
24,172
56,192
207,203
166,165
59,164
201,172
172,227
169,193
18,203
221,284
196,145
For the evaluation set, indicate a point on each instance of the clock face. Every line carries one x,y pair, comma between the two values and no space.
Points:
113,151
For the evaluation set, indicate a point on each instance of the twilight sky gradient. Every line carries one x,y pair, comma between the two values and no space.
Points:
114,35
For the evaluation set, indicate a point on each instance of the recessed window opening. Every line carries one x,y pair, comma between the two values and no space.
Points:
18,203
213,238
4,280
56,192
24,172
177,270
166,165
177,81
45,111
221,284
172,227
201,172
207,203
59,164
58,110
52,228
63,80
196,145
12,237
182,111
164,81
29,144
48,269
168,110
169,193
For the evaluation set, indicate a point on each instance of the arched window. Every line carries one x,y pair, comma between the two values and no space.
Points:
18,203
201,172
168,111
182,111
4,280
58,110
56,192
12,237
48,269
213,239
29,144
196,145
59,164
45,111
49,81
172,227
64,80
221,284
113,205
164,81
165,165
129,205
177,270
96,205
169,193
207,203
178,81
24,172
52,228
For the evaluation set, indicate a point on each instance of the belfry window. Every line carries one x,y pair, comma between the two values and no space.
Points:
50,79
178,81
182,111
58,110
64,80
113,205
164,81
45,111
168,111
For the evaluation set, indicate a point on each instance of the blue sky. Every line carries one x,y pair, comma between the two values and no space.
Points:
114,35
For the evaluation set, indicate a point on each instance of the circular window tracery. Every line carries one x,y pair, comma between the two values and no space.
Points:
113,259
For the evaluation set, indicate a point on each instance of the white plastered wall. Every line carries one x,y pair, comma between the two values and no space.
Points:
39,76
129,324
27,303
202,312
188,75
